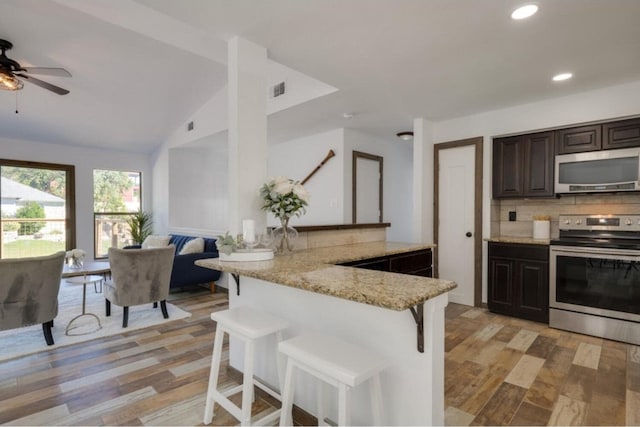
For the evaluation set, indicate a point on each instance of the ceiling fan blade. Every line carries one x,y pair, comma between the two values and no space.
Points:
45,85
47,71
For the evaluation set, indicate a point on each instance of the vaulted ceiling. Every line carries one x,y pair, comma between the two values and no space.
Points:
142,68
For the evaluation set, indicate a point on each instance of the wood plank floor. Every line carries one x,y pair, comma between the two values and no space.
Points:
506,371
499,371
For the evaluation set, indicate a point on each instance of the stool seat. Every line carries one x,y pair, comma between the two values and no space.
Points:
248,322
345,362
334,362
248,325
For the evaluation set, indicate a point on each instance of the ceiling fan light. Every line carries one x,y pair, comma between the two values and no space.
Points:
405,136
9,82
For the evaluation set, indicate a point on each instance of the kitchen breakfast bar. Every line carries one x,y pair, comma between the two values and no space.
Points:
398,316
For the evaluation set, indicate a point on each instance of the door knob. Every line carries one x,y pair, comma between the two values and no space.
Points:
468,234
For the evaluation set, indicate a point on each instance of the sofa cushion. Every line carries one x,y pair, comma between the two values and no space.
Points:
193,246
155,241
180,240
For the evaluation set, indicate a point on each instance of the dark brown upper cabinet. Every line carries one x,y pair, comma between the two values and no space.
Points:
579,139
523,166
621,134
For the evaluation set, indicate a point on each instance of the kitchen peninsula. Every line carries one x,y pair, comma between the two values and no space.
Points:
399,316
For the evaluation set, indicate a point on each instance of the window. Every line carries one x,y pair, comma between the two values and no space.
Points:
37,202
116,197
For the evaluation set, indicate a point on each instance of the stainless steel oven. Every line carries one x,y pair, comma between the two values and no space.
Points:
594,269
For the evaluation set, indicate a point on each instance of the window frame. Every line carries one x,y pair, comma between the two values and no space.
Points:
96,240
70,193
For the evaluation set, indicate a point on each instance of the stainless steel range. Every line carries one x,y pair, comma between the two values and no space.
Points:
594,276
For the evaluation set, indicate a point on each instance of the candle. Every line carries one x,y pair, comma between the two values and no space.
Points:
249,230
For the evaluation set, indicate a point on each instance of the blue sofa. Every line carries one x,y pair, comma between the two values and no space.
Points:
185,272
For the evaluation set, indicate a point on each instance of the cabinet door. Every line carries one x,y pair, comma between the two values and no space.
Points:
579,139
531,290
507,167
538,164
622,134
501,275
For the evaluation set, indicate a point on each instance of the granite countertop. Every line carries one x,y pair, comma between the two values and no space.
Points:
520,240
314,270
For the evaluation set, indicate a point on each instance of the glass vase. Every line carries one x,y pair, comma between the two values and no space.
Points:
284,237
75,263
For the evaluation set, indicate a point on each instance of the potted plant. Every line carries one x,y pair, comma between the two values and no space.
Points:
139,226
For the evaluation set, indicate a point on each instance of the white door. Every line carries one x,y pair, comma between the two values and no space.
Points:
456,194
367,191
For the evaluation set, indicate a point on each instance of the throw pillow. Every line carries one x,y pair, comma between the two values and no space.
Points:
155,242
193,246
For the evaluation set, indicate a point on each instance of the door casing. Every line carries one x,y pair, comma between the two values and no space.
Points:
477,232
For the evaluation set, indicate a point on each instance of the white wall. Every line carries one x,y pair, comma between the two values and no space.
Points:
398,180
601,104
296,159
198,188
85,161
208,121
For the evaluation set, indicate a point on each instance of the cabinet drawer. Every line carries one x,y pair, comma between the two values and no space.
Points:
519,251
379,264
423,272
408,263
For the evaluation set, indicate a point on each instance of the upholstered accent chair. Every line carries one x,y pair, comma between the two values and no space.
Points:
138,276
29,292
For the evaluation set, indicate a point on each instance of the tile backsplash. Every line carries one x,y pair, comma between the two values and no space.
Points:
579,204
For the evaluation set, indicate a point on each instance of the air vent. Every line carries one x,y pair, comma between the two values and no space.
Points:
277,90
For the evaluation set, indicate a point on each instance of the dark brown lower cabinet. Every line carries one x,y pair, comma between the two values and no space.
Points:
417,263
519,280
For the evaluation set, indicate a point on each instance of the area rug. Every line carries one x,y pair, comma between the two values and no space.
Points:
23,341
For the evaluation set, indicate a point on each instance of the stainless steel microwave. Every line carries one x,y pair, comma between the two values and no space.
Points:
598,171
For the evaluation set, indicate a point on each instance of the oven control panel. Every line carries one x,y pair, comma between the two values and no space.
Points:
599,222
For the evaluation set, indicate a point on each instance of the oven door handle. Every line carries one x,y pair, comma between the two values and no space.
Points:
594,252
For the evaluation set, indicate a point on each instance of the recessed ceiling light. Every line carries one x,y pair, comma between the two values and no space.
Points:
562,76
524,12
347,116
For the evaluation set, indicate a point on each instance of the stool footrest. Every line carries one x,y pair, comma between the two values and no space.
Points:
233,409
267,419
271,392
224,401
231,391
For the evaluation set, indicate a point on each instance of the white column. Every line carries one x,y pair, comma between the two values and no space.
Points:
247,104
422,181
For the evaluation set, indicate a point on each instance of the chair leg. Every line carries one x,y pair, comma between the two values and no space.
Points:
344,405
375,389
125,317
46,329
107,307
155,304
163,307
213,375
286,417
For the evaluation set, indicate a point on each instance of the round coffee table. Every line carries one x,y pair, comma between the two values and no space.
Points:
83,280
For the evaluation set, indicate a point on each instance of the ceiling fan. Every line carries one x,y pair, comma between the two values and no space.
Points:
10,70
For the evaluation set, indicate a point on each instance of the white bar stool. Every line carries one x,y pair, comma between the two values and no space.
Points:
248,325
337,363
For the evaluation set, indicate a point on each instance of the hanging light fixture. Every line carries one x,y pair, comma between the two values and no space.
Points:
405,136
9,82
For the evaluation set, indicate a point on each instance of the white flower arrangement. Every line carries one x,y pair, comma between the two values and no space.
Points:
75,255
284,197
